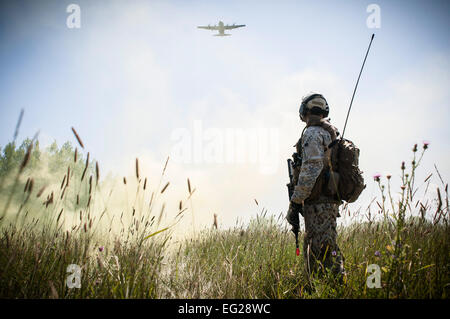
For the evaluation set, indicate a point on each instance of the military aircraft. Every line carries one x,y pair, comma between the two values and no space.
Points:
221,28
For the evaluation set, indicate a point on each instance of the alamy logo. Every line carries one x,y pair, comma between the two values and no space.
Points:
374,279
258,146
74,279
374,19
74,19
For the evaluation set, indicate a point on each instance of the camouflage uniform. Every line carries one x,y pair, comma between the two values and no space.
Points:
320,214
319,243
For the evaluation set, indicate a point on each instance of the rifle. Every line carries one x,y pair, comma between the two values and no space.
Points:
293,218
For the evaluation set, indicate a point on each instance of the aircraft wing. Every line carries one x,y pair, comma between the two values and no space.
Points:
209,27
234,26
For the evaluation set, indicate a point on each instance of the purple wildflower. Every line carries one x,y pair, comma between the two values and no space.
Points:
101,248
376,177
378,253
425,144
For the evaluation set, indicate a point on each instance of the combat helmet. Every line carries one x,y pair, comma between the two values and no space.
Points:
315,103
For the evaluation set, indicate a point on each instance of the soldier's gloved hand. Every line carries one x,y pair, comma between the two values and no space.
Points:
296,196
292,215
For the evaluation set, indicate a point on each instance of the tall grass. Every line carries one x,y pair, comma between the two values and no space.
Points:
73,222
258,260
245,262
130,254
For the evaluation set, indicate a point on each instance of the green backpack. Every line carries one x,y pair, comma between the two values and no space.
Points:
341,179
351,181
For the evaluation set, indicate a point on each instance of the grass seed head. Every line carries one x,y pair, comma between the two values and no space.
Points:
26,185
85,167
77,137
30,186
165,187
26,159
59,215
40,191
137,168
97,173
68,176
63,181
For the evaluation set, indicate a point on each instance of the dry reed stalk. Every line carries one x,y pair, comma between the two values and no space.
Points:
49,200
16,132
68,176
30,186
124,180
62,194
438,209
26,185
439,174
90,185
85,166
165,165
165,187
77,137
137,168
75,155
26,159
97,173
181,212
66,241
151,199
63,181
145,183
40,191
189,186
59,215
161,213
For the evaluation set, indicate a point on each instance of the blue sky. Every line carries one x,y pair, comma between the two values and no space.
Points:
138,70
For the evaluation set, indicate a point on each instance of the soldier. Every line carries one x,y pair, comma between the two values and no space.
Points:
313,191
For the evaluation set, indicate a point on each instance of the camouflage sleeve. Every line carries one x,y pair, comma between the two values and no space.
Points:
307,178
313,154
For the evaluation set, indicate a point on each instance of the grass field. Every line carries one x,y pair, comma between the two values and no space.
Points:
44,230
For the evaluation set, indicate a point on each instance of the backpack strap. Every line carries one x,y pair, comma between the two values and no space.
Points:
298,146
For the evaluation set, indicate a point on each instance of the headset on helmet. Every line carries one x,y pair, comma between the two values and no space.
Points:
304,105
